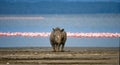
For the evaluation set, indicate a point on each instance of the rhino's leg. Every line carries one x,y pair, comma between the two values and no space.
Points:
56,47
62,48
53,46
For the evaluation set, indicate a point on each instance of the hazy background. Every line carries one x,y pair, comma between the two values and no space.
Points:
72,15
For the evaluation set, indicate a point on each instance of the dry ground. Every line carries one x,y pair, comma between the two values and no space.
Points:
71,56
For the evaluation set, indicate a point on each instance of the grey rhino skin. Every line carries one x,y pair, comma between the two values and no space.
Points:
57,39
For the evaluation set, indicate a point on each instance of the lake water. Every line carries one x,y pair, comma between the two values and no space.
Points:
70,22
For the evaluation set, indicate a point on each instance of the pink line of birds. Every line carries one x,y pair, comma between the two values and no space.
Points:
69,34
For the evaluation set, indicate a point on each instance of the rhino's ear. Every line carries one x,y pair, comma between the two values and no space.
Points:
62,30
53,29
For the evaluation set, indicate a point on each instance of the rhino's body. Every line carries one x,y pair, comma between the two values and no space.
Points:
57,39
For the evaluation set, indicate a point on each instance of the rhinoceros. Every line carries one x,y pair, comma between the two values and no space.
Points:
57,39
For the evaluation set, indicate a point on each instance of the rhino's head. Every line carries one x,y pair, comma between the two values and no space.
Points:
58,35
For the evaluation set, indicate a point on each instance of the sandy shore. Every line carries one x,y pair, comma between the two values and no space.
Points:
71,56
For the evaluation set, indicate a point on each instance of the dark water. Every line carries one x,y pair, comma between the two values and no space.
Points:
57,7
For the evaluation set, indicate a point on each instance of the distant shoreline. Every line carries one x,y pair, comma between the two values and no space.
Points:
67,49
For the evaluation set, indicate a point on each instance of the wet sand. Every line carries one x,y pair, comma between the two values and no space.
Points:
71,56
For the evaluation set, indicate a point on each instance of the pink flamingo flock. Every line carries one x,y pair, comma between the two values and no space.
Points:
69,34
